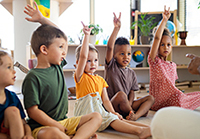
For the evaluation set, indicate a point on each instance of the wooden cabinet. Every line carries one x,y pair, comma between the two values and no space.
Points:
178,56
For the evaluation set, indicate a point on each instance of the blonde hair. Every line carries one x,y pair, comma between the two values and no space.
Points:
91,48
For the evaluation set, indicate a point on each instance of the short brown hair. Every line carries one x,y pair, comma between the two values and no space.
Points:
44,35
78,49
2,53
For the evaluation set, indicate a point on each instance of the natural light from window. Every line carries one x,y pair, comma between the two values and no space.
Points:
70,20
6,29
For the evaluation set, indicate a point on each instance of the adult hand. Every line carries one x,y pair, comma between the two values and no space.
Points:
194,64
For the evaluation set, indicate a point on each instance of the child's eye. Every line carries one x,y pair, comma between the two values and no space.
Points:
89,61
168,44
122,53
96,60
162,44
129,54
60,46
9,67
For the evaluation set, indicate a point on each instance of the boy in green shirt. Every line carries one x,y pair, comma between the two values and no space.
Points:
44,89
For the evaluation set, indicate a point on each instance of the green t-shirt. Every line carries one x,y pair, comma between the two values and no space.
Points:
47,89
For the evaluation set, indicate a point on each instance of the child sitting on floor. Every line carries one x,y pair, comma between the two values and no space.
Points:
13,124
44,88
122,81
91,92
163,73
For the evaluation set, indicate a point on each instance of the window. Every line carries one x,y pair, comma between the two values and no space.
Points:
70,20
192,22
6,29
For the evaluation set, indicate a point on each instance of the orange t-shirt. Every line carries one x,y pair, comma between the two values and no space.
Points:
89,84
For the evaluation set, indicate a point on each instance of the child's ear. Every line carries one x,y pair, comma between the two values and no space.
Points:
43,49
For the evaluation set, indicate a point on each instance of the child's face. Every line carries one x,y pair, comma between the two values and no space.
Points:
123,55
57,51
92,62
7,72
165,46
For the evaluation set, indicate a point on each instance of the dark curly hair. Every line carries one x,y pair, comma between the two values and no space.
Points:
121,41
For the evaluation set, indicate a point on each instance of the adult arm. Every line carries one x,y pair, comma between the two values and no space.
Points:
194,65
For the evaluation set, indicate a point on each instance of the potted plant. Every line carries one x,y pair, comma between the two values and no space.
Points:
145,25
95,31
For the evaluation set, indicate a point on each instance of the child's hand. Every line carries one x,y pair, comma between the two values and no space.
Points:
27,137
61,127
86,29
166,14
119,116
35,14
117,21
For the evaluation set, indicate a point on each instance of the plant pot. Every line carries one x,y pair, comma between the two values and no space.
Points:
145,40
92,39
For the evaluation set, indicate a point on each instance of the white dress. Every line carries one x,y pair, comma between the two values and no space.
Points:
89,104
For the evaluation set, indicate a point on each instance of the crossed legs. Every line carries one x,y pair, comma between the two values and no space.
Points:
87,127
139,107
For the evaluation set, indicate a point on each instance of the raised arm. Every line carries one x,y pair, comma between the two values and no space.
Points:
83,53
111,41
158,35
36,15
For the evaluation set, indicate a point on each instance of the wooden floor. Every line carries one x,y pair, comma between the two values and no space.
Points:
109,133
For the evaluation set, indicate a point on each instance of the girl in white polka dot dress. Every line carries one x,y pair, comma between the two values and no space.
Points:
163,73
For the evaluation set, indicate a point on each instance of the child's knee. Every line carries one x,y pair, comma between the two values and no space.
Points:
12,111
121,96
97,116
151,98
50,133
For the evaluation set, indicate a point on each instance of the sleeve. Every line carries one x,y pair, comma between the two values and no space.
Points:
16,102
30,90
104,83
151,62
108,65
135,83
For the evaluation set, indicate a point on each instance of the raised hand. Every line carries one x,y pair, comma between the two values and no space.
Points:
194,63
86,29
117,21
166,14
35,14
